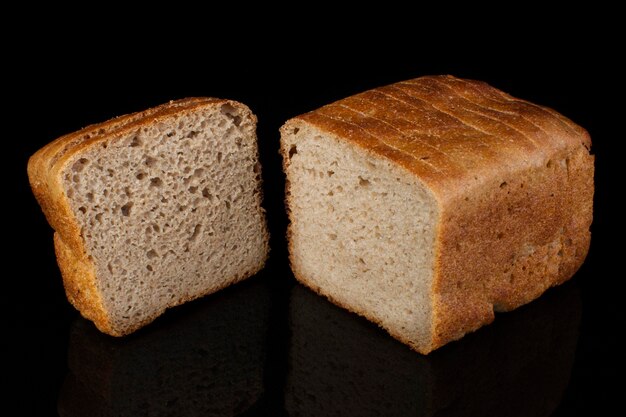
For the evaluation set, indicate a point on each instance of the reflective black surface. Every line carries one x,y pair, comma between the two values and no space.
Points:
341,365
269,347
209,360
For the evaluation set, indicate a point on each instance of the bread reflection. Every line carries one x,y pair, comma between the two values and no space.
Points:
341,365
206,358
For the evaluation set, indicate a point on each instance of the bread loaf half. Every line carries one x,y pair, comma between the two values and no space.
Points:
429,204
153,209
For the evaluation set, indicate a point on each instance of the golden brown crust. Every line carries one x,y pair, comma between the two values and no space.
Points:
46,170
513,181
440,128
509,242
79,280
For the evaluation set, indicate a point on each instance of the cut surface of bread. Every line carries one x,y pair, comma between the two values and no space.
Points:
153,209
429,204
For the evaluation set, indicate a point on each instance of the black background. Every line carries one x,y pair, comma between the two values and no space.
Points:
56,85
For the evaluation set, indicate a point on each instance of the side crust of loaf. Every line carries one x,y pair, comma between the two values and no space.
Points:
513,183
45,170
526,233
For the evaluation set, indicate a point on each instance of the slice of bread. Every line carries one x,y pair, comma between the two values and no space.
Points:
429,204
153,209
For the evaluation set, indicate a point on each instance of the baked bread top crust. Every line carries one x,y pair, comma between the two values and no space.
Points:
445,129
